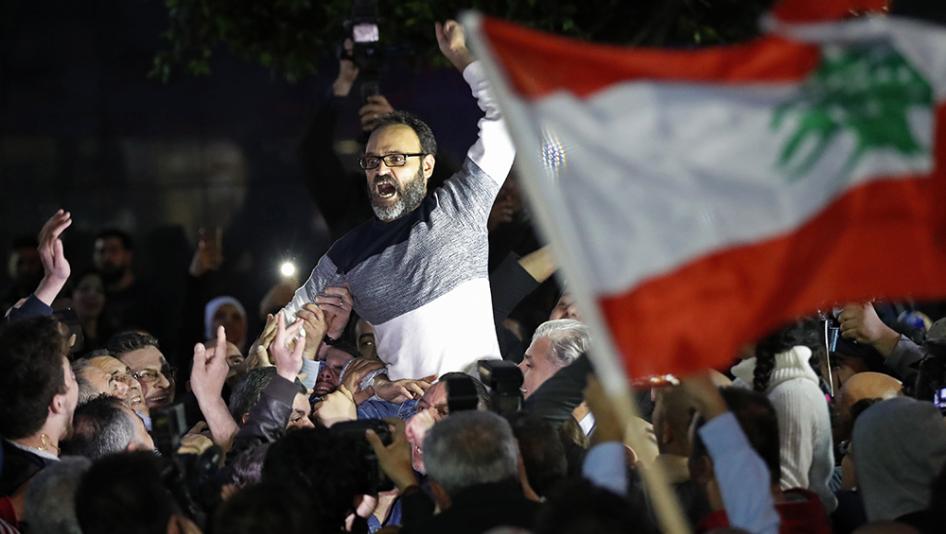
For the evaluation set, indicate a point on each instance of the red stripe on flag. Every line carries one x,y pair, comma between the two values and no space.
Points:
823,10
537,63
885,239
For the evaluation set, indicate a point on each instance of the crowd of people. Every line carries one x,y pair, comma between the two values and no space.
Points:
403,388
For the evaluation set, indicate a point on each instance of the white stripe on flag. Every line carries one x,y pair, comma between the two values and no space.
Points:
660,174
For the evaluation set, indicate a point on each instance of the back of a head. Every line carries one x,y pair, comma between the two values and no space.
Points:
50,498
758,420
247,466
569,338
580,507
321,465
248,390
543,452
264,508
482,392
899,448
31,374
101,426
470,448
124,493
867,385
802,332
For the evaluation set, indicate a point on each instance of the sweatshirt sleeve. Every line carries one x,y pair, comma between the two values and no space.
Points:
742,476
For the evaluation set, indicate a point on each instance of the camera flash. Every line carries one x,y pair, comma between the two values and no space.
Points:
287,269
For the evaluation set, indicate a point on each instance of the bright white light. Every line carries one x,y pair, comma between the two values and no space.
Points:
287,269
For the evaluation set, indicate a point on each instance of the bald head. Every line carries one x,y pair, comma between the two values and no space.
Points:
867,385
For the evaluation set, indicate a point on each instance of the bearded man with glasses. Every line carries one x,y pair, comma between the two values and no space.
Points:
417,271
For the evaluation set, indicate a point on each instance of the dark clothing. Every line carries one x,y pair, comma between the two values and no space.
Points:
509,284
925,521
850,513
560,394
477,509
19,467
33,307
268,417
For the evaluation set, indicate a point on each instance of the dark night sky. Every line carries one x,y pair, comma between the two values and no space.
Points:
82,127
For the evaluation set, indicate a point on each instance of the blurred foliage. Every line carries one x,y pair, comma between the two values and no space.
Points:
289,37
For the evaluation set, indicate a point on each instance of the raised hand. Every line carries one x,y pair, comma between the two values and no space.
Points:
336,407
56,269
861,323
210,368
314,324
286,349
375,106
394,459
209,254
347,71
355,372
401,390
337,303
452,43
258,356
704,394
208,374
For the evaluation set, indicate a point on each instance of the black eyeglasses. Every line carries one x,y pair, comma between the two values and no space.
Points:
391,160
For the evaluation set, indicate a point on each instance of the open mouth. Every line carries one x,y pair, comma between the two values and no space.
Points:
385,190
159,400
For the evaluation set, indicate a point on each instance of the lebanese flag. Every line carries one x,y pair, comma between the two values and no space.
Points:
705,197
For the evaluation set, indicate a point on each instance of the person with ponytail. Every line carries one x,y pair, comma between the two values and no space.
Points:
781,369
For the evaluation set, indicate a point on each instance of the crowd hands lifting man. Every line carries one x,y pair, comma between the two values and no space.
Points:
317,427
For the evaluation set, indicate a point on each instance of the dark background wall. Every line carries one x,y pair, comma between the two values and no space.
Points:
82,127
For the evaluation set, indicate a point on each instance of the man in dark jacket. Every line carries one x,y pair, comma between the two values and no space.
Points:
472,464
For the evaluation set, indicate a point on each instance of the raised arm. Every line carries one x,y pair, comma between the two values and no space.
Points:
493,151
208,374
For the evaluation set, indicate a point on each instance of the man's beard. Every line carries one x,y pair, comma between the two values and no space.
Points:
409,196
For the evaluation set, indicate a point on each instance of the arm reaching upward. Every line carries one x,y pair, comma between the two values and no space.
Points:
493,151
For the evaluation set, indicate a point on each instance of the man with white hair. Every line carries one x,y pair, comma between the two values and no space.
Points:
555,344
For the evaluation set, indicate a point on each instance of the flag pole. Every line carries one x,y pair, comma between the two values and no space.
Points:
548,206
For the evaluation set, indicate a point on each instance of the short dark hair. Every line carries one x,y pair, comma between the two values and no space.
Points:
427,142
124,493
247,391
31,374
115,233
265,507
101,426
482,392
247,467
580,507
130,340
759,422
320,464
543,452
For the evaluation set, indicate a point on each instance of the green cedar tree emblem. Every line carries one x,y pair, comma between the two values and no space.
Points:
865,90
